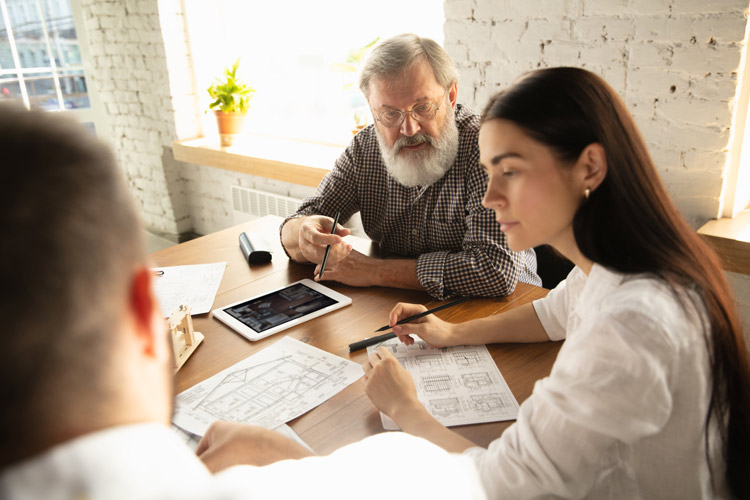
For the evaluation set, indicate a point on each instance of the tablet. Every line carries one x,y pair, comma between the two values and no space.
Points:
263,315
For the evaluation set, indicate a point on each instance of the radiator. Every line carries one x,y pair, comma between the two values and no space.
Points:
248,204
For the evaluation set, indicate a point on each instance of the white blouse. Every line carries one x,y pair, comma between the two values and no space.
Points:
622,413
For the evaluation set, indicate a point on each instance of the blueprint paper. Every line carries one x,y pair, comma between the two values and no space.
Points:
194,286
269,388
458,385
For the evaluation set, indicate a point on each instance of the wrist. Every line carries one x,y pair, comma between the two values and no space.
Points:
397,273
410,415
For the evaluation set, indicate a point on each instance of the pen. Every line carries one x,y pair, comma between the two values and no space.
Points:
356,346
425,313
160,272
328,248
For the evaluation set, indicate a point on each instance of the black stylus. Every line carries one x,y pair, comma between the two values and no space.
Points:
356,346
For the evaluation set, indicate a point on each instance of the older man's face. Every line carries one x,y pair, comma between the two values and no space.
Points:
414,86
416,153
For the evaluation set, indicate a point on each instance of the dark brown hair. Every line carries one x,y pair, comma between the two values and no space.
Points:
71,240
630,225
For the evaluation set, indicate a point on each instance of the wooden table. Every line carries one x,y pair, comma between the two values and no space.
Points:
349,416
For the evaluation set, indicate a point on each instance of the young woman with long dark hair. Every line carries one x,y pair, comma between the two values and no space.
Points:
650,394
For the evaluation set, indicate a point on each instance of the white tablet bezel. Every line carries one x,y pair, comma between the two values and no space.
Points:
250,334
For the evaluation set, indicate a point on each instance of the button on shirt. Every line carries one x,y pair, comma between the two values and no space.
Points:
457,242
621,415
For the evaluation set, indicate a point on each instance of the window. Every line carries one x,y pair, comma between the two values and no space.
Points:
41,62
735,196
288,51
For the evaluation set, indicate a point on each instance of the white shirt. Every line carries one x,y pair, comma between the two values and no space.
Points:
148,461
621,415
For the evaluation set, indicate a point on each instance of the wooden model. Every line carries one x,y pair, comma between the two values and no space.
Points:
184,339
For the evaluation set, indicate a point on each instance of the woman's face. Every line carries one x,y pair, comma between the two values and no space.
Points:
534,195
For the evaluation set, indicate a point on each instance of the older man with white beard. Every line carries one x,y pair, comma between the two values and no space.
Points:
415,178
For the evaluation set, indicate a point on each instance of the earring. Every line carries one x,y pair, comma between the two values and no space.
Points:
586,193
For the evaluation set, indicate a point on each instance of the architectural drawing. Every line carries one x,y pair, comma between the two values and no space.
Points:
476,380
269,388
429,360
436,383
491,402
466,358
458,385
448,407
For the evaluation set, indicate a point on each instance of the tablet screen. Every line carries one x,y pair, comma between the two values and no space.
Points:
279,307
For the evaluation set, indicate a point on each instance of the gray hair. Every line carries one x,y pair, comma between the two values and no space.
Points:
396,54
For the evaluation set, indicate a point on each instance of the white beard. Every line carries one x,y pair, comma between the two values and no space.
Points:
426,166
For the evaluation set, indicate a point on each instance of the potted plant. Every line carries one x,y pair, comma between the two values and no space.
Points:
231,101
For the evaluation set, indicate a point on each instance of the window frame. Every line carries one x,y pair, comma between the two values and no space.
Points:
95,112
735,189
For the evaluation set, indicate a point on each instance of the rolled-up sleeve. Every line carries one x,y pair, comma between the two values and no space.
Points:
485,266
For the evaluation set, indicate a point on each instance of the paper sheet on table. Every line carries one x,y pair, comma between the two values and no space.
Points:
194,286
192,440
269,388
458,385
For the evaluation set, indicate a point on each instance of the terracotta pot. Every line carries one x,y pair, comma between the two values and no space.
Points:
229,124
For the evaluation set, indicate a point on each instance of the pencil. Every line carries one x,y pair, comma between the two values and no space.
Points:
425,313
356,346
328,248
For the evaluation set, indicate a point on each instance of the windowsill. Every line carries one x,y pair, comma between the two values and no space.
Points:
730,237
287,160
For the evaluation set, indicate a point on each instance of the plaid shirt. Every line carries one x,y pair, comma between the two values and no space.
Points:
459,247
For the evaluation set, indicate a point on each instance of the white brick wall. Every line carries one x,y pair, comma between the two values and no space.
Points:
208,189
673,61
131,74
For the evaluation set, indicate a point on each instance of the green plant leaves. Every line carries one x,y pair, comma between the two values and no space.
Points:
230,95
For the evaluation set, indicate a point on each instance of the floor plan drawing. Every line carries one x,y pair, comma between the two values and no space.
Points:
429,360
458,385
476,380
466,358
269,388
436,383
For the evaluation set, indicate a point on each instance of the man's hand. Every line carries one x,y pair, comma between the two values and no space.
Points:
226,444
360,270
306,239
357,269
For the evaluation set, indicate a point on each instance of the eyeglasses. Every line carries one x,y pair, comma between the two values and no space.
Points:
422,112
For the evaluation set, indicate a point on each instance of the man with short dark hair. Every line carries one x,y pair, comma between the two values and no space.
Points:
415,178
85,361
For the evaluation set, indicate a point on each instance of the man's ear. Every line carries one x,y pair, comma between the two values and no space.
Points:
453,94
593,164
147,320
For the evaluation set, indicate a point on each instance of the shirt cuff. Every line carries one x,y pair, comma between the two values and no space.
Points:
281,228
551,326
430,273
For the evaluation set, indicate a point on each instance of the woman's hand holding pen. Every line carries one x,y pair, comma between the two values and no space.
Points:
431,329
315,235
390,387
